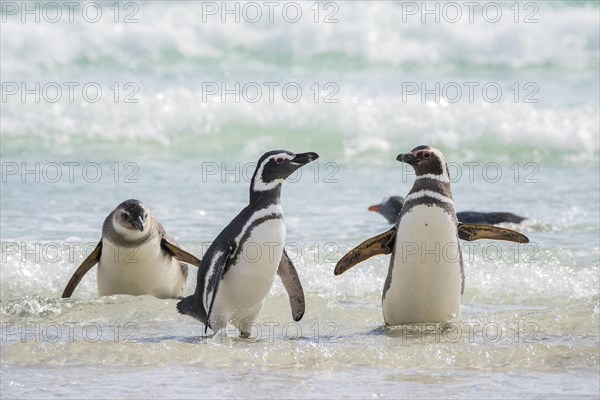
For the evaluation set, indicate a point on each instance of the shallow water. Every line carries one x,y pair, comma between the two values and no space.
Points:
531,313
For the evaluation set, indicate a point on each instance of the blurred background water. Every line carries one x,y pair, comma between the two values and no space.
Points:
173,102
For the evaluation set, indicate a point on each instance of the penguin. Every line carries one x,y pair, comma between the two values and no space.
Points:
135,256
238,269
425,280
390,209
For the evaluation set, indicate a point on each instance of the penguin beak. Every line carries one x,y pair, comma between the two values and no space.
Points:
304,158
138,223
408,158
375,208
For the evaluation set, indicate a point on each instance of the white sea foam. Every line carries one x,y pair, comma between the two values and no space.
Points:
378,124
543,303
369,55
374,32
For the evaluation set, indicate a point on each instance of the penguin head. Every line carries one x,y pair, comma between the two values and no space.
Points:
274,166
131,217
390,208
425,160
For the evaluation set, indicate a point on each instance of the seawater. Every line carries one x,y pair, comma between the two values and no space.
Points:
531,314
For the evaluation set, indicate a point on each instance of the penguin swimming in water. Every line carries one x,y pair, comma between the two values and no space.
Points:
239,267
390,209
425,280
135,256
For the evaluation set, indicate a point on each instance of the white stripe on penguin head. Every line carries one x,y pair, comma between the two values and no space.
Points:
444,176
258,185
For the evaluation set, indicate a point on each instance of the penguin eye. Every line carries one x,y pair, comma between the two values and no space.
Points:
426,154
279,160
125,216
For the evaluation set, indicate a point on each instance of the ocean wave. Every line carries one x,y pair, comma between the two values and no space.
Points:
357,127
356,35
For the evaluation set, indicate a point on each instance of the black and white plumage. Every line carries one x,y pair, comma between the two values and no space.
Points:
135,256
425,279
239,267
390,209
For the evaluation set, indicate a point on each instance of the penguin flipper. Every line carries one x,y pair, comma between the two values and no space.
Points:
178,253
477,232
87,264
214,275
291,281
380,244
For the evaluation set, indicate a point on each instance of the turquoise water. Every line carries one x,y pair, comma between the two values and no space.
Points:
531,314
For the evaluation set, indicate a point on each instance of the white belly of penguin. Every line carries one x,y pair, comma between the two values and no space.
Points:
139,270
426,278
246,284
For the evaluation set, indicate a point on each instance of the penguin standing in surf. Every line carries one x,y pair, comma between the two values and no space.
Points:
425,280
238,269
